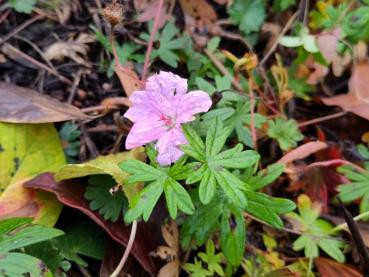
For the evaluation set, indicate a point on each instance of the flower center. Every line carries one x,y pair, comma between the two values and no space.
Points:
167,120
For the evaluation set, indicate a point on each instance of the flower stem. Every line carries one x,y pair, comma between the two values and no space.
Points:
344,225
151,40
127,251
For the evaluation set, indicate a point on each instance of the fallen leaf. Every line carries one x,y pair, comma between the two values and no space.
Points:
147,10
330,268
25,151
23,105
105,165
169,253
71,193
75,49
128,78
303,151
318,73
357,100
327,43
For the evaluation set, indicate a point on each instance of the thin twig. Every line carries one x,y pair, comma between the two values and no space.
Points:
252,123
20,28
333,163
151,40
275,44
38,64
344,226
127,251
321,119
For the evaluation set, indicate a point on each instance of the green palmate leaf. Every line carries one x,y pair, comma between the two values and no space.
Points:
196,146
144,203
213,260
286,132
358,188
140,172
207,186
268,208
109,205
233,236
266,176
200,225
248,14
17,233
85,239
177,197
18,265
105,165
316,232
168,44
231,190
196,269
212,172
159,179
215,139
48,253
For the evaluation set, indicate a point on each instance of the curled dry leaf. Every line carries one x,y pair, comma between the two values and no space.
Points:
25,151
144,242
23,105
303,151
330,268
357,100
169,253
75,49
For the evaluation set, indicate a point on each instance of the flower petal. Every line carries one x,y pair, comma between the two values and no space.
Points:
144,132
166,83
192,103
167,146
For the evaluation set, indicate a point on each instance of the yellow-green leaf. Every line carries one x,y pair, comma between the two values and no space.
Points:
26,151
105,165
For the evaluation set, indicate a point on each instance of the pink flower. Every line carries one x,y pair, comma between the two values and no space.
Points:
158,112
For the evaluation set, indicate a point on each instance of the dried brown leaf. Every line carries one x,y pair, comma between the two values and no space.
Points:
74,49
128,78
357,100
23,105
169,253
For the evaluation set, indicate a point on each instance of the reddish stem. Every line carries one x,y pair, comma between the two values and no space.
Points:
252,124
151,40
333,163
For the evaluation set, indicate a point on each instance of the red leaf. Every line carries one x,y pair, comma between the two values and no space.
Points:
330,268
70,193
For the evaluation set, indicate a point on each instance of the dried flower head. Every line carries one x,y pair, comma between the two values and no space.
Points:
114,13
158,112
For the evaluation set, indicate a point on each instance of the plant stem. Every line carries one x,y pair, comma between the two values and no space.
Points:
344,225
151,40
127,251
